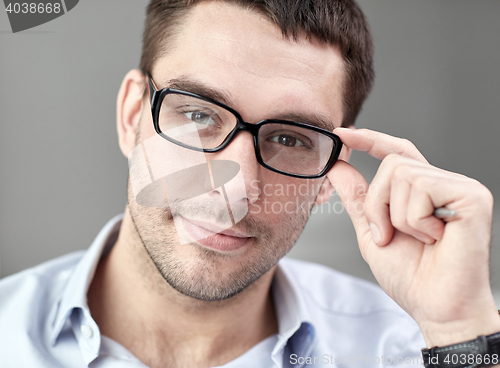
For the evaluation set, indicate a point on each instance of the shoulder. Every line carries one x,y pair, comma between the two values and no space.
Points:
37,281
28,299
345,308
334,290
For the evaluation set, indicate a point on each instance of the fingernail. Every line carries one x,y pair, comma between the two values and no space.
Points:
375,233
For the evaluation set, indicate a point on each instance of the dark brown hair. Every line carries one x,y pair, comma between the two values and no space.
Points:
335,22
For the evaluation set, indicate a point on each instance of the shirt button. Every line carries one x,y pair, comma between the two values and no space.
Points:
86,331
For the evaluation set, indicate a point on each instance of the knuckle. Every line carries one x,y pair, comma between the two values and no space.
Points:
400,171
413,221
391,160
399,222
408,148
420,183
482,193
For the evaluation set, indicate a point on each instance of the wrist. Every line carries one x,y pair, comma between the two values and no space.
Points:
453,332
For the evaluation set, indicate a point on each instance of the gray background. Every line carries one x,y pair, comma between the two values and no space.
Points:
62,175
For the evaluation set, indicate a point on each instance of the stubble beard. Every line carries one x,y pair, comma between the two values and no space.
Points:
201,273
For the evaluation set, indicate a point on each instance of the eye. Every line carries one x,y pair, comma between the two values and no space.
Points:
200,117
286,140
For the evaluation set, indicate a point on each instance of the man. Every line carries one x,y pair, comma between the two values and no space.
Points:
141,296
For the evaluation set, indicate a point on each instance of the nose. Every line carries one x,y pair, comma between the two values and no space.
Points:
241,150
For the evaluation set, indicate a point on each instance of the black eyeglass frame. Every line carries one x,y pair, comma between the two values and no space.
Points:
156,98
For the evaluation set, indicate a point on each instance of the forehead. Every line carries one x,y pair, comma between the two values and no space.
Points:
243,54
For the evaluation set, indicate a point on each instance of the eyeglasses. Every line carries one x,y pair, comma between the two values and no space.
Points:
202,124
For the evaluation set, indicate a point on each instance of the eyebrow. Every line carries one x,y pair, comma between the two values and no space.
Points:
189,84
317,120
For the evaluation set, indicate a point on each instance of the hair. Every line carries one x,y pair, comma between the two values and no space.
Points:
338,23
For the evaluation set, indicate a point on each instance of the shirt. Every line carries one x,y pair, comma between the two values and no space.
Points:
325,319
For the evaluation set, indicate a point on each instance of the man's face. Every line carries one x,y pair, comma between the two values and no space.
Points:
243,56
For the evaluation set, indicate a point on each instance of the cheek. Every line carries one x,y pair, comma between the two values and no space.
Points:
146,127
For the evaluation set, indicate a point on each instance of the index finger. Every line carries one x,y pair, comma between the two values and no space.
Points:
378,145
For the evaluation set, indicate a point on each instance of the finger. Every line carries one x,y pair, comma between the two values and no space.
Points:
378,199
466,196
431,191
385,205
421,210
351,188
378,145
400,195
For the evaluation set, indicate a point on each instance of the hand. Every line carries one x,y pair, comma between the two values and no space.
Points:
435,270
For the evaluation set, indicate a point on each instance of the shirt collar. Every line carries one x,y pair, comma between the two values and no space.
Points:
74,293
296,334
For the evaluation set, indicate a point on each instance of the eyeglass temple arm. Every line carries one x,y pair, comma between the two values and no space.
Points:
152,88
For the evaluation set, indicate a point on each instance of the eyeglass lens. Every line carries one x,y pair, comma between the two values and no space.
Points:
201,124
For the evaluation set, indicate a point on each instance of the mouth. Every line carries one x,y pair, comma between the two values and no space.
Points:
213,236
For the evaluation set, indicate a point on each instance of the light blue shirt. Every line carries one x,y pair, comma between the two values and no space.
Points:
325,319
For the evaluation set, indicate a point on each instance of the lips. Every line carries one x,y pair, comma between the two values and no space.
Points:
215,237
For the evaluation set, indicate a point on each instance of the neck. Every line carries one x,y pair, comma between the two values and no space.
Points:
165,328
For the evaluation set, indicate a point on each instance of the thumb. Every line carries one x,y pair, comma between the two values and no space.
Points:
351,188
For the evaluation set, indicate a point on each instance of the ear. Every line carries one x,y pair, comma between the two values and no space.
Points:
327,189
129,106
